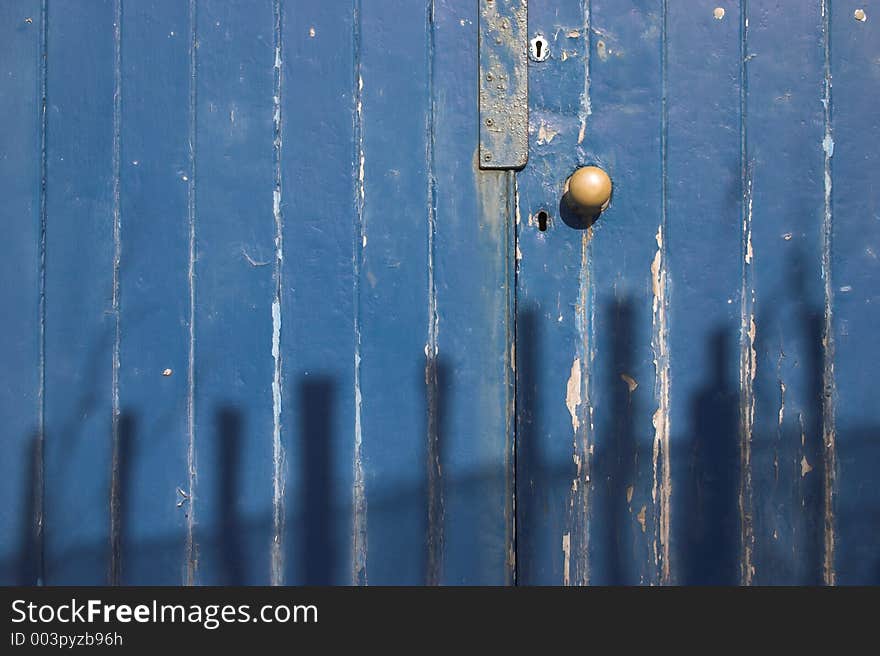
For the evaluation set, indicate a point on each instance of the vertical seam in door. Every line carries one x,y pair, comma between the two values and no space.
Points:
511,428
579,503
748,358
586,107
115,519
359,499
191,547
579,497
662,487
435,482
828,383
41,392
276,574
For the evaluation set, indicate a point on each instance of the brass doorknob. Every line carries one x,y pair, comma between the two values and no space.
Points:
589,189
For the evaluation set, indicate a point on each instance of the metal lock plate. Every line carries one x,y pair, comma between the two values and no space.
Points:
504,92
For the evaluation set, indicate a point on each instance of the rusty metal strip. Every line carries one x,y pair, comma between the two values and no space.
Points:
504,92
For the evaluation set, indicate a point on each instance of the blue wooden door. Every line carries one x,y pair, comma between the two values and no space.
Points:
259,300
694,395
269,322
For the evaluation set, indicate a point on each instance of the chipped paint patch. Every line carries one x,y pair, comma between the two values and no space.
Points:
642,518
662,483
573,393
361,178
629,493
516,202
747,221
184,497
359,492
806,467
566,559
546,133
631,382
753,329
781,402
747,372
586,106
828,145
277,449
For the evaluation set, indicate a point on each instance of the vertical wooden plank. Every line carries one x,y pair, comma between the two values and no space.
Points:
623,135
555,301
234,366
157,284
393,315
320,539
21,135
785,208
79,289
596,101
469,348
702,261
853,292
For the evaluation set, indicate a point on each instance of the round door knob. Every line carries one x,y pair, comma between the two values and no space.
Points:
589,189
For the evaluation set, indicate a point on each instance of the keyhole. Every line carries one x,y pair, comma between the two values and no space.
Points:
538,48
543,220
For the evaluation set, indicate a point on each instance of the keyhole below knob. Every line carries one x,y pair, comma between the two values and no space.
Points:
543,220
